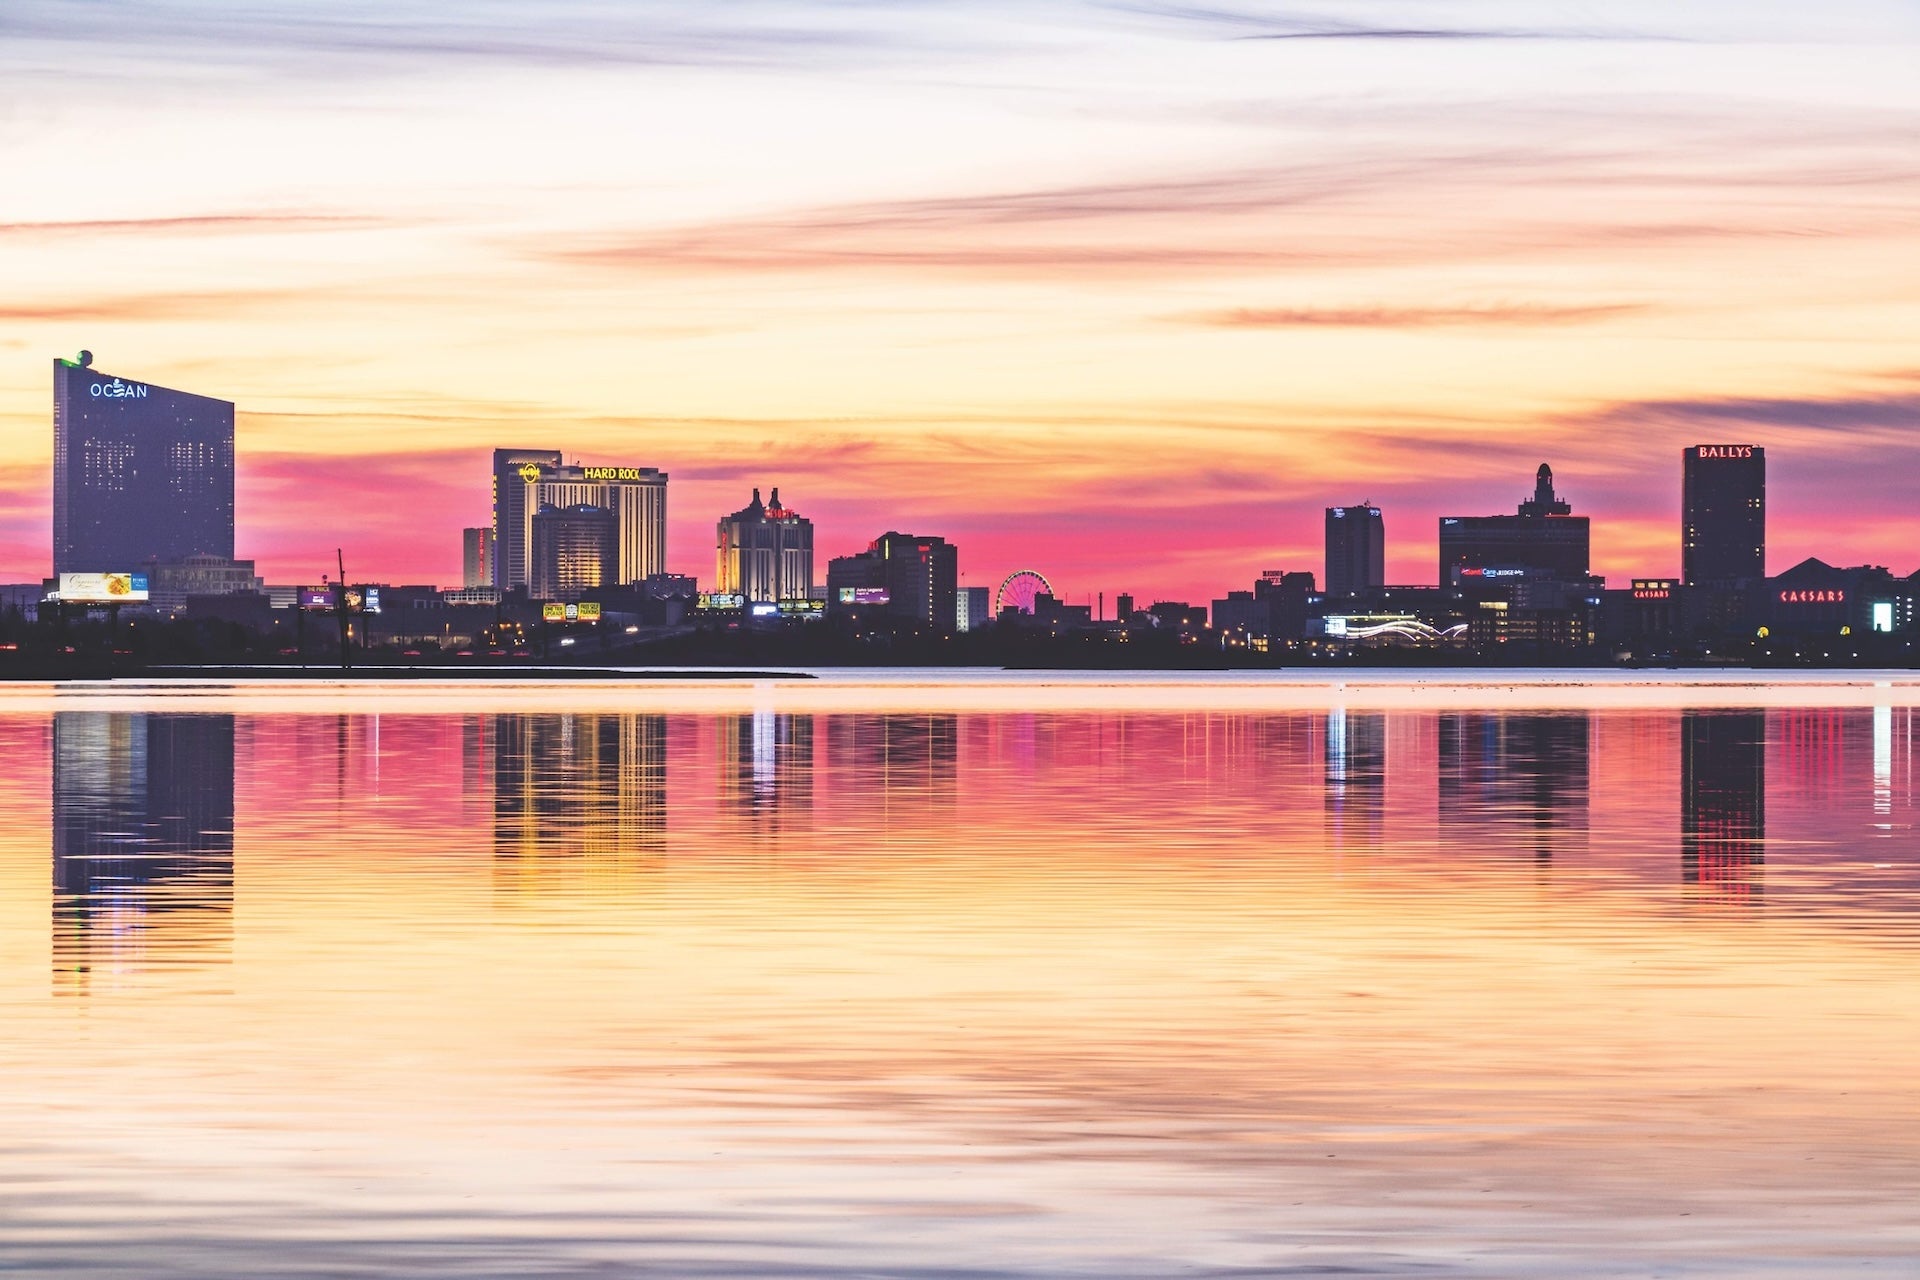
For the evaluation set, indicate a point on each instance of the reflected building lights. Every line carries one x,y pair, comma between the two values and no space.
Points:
1723,814
142,845
1518,779
1356,776
766,770
580,796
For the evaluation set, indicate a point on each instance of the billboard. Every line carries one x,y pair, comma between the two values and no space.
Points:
316,597
586,611
104,588
721,600
361,599
865,595
803,608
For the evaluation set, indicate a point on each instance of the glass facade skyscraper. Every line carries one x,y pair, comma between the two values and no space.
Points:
140,472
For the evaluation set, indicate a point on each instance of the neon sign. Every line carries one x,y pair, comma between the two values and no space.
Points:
117,390
1724,451
529,472
618,473
1651,593
1813,597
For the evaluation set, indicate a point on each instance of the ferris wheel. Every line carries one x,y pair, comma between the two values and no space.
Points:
1018,591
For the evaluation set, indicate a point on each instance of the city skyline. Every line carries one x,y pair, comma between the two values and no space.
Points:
528,486
998,260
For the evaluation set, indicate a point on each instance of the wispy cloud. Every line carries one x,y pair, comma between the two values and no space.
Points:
1288,23
135,308
1859,421
221,224
1483,203
386,35
1384,317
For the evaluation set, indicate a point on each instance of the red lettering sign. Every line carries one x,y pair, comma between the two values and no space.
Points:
1813,597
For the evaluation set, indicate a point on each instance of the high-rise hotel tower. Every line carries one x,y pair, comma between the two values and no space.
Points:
1356,551
140,472
764,551
1723,514
526,480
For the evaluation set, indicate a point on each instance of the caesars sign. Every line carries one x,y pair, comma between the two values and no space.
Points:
104,588
1724,451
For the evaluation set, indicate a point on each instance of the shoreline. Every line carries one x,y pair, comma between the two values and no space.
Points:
960,690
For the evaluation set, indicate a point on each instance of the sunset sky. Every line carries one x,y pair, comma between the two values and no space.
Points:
1124,292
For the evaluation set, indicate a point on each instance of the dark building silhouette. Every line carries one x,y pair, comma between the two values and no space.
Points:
142,843
516,472
1723,517
1543,536
140,472
919,577
1356,551
575,551
1723,805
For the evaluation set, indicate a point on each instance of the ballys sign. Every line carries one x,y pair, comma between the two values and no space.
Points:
1724,450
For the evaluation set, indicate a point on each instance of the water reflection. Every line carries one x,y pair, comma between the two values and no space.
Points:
142,845
765,779
1723,799
1522,779
575,797
1356,778
1034,995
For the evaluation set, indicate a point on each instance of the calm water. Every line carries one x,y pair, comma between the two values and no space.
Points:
1610,991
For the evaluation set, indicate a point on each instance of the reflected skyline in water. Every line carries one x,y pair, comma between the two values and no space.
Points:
143,830
1033,992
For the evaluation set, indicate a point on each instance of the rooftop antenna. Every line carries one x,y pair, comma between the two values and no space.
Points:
340,601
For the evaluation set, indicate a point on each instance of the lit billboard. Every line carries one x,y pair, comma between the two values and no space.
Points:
721,600
588,611
865,595
104,588
316,597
